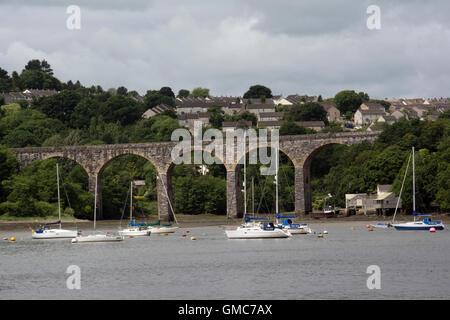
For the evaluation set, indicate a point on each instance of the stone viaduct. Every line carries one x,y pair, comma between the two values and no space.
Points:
300,149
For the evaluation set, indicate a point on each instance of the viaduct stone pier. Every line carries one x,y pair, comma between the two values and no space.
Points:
300,149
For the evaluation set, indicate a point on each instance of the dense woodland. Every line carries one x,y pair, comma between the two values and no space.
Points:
78,115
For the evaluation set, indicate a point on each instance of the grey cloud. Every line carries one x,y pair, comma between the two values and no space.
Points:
291,46
96,4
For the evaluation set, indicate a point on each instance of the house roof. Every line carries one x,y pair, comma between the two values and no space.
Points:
260,106
311,124
277,123
271,114
371,112
327,105
233,124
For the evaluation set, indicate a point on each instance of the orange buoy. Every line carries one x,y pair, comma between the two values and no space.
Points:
367,226
352,228
183,235
12,239
193,238
432,230
187,230
370,229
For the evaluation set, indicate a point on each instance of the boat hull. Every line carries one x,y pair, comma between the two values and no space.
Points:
134,233
423,228
299,230
55,234
163,230
256,234
381,226
97,238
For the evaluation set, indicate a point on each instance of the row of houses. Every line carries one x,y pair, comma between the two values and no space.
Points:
189,110
370,113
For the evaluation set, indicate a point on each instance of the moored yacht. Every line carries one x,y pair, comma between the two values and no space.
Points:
427,223
97,237
46,232
134,230
252,229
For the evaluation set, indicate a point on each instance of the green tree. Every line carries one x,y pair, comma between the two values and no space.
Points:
122,109
59,106
122,91
167,91
217,117
5,81
183,93
310,111
199,93
291,128
9,165
348,100
258,91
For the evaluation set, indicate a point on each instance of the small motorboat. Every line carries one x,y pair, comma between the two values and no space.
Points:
381,225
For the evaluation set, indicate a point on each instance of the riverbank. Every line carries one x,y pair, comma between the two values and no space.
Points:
202,220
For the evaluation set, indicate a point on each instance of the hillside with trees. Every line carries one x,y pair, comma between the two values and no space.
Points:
78,115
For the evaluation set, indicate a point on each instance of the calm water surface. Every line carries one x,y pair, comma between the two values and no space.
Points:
413,265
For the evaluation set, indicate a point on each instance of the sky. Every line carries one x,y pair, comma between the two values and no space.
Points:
291,46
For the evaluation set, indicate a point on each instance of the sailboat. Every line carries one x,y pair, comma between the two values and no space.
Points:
45,232
158,227
134,230
251,229
97,237
286,222
426,223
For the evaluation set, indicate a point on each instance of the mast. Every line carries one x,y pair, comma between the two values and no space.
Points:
401,189
95,202
168,198
276,185
131,200
59,196
414,183
253,195
245,175
276,180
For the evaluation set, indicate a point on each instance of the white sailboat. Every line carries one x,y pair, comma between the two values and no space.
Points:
45,232
165,228
134,230
251,229
286,222
97,237
426,224
158,227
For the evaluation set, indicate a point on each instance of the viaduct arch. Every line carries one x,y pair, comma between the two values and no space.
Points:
300,149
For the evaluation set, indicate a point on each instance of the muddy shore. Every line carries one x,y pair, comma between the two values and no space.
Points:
205,220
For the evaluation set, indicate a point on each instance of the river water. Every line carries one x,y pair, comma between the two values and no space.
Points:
413,265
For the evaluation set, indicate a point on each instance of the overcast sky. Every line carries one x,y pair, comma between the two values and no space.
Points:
292,46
